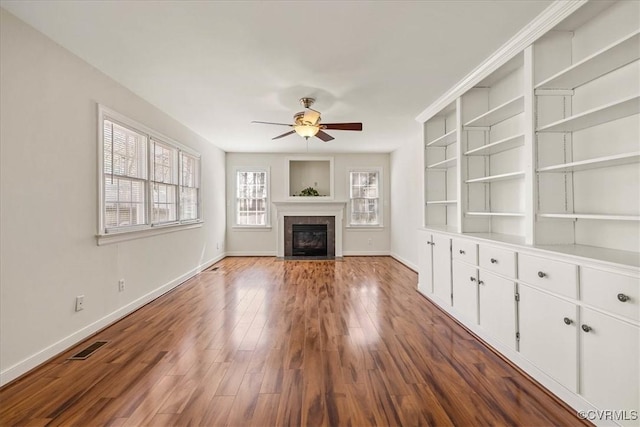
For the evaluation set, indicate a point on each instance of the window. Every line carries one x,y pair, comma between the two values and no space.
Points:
146,180
252,207
364,198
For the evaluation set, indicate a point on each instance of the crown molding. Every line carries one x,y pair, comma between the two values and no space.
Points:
535,29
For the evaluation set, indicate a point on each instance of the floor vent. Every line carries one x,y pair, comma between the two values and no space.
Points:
214,268
88,351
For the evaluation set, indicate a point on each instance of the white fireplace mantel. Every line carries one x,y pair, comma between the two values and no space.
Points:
309,206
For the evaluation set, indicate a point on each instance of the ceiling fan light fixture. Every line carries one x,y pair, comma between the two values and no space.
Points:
306,131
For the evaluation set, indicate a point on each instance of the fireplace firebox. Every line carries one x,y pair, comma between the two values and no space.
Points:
309,239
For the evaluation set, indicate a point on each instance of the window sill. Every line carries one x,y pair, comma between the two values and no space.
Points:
365,227
251,228
123,236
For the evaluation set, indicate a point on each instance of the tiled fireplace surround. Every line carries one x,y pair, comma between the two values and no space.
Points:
310,211
330,221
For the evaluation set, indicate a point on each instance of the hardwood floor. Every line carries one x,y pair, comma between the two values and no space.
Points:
265,342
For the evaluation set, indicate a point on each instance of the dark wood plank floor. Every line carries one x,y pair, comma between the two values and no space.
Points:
265,342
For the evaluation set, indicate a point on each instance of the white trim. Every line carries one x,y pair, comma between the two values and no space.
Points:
254,227
287,175
540,25
251,228
380,172
107,239
53,350
251,253
366,253
404,261
143,230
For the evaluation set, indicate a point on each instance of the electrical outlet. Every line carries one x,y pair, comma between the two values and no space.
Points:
80,303
217,245
121,285
370,242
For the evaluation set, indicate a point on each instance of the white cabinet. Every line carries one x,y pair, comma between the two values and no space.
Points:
610,367
497,306
548,334
434,262
425,264
441,247
465,290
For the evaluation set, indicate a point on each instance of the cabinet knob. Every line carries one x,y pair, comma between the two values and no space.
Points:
494,261
623,298
541,274
461,252
567,321
473,279
586,328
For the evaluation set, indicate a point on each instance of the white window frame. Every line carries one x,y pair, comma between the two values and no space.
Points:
380,223
119,234
267,224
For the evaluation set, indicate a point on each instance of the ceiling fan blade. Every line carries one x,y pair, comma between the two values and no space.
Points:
342,126
271,123
324,136
311,116
283,135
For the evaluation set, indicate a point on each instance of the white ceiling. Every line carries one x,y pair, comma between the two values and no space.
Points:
217,65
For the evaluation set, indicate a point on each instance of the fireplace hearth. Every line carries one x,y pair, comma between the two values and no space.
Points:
309,240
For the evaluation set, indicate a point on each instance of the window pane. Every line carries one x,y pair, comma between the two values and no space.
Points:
251,202
124,151
364,191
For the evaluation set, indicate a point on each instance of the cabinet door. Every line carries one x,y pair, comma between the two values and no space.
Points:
465,290
498,307
442,268
425,265
609,369
549,334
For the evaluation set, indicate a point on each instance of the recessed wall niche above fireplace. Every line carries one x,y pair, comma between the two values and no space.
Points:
309,171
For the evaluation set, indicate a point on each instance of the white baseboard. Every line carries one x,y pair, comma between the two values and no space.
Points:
404,261
47,353
365,253
251,253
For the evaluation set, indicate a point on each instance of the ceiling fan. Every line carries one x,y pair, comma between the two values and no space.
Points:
307,124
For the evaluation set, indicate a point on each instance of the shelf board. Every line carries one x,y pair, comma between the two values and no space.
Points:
600,162
596,116
444,140
445,164
501,177
615,256
442,202
508,214
498,146
498,114
610,58
590,216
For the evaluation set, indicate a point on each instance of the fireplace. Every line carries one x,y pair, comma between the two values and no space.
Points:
309,240
309,212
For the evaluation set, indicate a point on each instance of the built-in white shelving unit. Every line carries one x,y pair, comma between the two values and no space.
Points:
532,177
498,114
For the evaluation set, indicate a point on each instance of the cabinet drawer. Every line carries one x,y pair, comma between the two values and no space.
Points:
554,276
465,250
616,293
501,261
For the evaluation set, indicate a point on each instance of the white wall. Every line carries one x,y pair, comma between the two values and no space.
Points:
407,191
48,132
263,242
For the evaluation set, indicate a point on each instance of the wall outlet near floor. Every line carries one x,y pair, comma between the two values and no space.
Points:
121,285
370,242
80,303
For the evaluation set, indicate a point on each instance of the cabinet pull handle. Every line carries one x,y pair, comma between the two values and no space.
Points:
623,298
541,274
473,279
461,252
494,261
586,328
568,321
480,282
